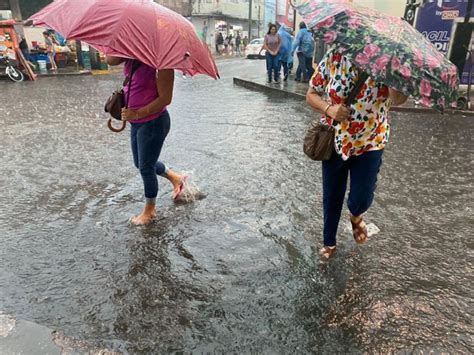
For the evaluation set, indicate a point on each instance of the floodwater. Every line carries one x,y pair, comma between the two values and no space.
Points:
237,271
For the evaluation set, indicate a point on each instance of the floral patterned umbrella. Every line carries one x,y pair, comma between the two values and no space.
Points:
386,47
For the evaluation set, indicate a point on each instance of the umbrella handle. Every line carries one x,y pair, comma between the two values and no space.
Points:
351,98
116,130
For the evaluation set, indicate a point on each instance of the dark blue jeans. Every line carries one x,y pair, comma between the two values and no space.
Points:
363,171
305,67
147,140
273,66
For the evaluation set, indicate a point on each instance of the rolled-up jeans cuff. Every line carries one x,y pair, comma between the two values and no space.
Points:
150,201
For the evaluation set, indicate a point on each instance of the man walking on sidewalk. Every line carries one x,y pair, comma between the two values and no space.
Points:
304,47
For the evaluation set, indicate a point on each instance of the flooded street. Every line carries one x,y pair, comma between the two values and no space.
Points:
237,271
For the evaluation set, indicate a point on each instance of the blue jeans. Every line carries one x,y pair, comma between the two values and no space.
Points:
273,66
363,170
147,140
305,67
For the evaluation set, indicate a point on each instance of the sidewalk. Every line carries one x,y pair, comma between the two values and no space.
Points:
296,90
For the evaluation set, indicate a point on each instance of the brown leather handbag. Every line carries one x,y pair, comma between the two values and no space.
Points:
319,139
116,102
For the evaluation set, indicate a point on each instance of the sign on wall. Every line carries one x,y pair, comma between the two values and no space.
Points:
436,21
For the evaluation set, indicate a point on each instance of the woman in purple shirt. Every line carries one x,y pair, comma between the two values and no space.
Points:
272,44
151,92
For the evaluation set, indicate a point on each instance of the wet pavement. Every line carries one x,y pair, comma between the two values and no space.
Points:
237,271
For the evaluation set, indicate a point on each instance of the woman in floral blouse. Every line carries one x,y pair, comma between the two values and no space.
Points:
362,131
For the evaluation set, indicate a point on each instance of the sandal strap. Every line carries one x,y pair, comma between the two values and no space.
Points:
359,232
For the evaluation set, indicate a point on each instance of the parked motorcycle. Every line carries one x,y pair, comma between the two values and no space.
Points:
13,73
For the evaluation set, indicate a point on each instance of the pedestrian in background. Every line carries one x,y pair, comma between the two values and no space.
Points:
231,44
151,92
25,51
304,47
50,50
238,44
362,131
219,43
285,49
272,44
226,45
245,42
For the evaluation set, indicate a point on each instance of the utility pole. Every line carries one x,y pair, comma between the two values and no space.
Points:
15,8
250,20
258,21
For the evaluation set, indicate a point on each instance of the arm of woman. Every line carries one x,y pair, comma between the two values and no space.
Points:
114,60
397,97
337,112
279,45
165,86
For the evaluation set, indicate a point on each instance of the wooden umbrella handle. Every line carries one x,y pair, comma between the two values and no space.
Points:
116,130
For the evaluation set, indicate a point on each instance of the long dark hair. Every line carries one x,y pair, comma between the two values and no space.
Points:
270,28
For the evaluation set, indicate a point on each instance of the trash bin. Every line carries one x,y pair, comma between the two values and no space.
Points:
42,66
60,60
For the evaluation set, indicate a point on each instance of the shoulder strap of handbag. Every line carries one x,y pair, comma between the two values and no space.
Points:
356,89
128,81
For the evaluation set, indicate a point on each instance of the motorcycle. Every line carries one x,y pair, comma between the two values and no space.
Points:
13,73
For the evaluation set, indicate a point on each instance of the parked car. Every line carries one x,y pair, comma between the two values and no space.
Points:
253,49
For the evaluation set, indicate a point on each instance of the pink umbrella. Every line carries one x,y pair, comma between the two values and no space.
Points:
135,29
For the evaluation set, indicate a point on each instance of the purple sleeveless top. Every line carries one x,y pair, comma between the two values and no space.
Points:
143,89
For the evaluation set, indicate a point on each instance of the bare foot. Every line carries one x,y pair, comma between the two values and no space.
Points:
146,217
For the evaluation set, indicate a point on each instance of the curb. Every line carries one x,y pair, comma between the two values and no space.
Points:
78,73
252,85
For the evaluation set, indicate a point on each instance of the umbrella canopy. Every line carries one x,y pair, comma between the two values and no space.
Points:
386,47
134,29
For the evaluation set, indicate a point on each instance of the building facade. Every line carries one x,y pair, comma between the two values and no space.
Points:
392,7
13,6
228,17
182,7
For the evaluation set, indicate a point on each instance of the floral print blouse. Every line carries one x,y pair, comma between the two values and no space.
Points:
367,127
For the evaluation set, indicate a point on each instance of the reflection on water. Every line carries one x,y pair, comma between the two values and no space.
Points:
237,271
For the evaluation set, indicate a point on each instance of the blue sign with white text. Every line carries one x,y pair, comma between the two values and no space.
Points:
436,20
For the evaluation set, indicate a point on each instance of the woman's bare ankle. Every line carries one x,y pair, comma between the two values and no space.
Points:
146,217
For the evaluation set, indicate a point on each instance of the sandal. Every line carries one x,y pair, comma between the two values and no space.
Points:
326,252
177,194
359,230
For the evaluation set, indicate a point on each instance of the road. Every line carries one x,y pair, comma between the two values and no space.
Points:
237,271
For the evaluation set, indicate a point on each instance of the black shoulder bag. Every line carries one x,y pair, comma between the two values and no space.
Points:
116,101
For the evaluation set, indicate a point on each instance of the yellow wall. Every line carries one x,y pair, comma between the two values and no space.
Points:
390,7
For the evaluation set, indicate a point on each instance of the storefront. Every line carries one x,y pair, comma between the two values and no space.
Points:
445,24
285,14
8,38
